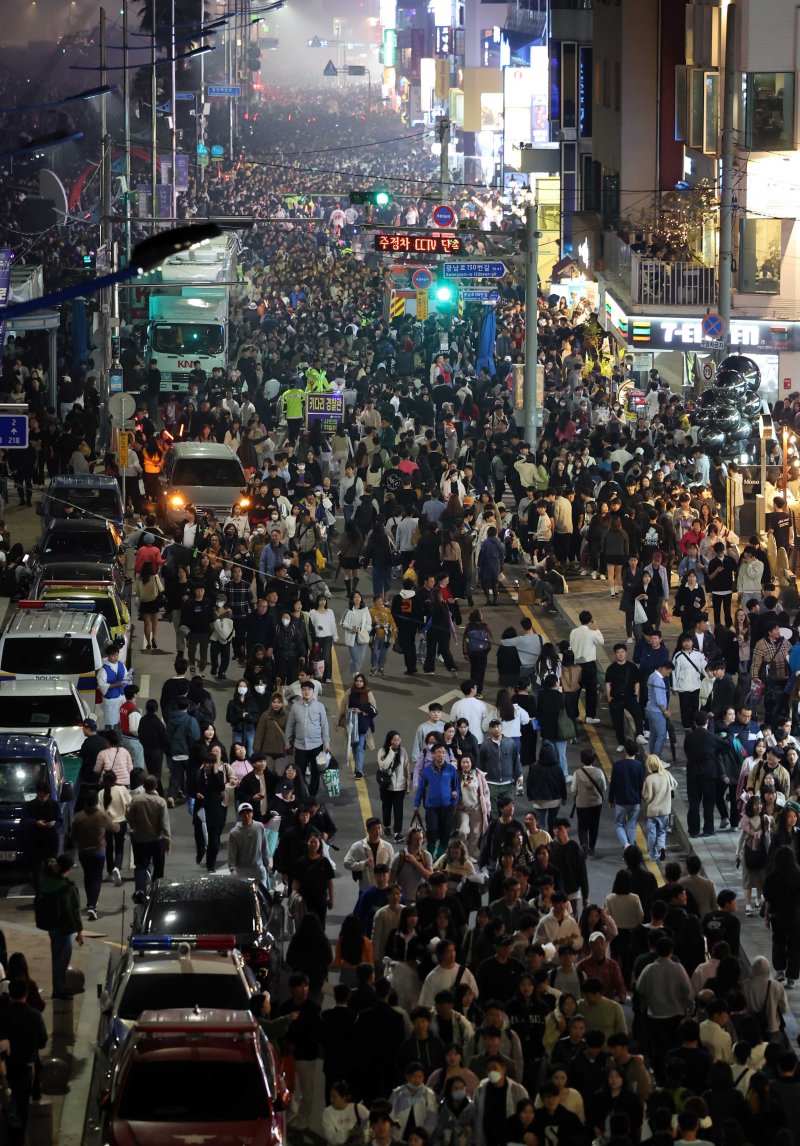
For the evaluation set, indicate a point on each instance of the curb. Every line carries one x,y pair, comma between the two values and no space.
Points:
75,1112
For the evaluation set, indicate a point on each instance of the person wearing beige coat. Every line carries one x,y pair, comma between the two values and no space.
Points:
659,784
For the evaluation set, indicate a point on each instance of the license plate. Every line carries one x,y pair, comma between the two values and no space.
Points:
8,857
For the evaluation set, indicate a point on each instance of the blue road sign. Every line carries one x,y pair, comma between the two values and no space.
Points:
421,279
226,90
330,69
217,151
480,295
713,326
443,215
13,431
474,270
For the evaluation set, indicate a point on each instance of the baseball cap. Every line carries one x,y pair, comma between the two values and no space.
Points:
90,723
596,935
245,807
372,821
284,786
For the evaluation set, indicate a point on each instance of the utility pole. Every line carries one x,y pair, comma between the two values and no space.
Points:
126,108
154,205
103,338
726,180
443,124
532,237
173,107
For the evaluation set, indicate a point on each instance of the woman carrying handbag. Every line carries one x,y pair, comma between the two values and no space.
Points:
394,782
357,714
149,589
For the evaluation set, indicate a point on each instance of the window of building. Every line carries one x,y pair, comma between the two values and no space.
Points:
769,111
760,256
696,107
711,123
680,101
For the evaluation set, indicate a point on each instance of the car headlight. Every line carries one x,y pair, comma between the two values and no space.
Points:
177,502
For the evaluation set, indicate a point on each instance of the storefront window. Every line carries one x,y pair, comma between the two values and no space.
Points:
760,256
769,111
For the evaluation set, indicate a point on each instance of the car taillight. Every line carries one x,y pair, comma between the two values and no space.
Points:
258,956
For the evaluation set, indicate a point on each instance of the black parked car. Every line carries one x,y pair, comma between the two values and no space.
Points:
217,905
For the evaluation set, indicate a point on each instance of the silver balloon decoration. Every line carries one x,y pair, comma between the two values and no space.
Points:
727,412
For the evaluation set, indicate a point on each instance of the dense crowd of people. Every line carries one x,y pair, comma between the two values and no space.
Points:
500,999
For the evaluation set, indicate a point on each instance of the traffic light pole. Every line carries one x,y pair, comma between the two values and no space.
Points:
531,319
444,159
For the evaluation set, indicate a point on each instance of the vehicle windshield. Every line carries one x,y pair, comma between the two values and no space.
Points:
194,1090
100,501
230,916
208,472
189,339
38,711
48,656
18,779
89,544
153,992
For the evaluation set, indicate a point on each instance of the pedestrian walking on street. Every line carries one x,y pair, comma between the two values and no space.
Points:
57,910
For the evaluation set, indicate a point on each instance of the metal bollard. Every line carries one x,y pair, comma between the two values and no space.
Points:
63,1021
40,1123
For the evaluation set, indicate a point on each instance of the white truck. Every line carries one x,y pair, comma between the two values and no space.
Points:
187,327
188,311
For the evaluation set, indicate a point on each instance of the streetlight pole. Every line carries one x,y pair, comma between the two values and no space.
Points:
154,205
126,101
174,112
726,195
531,318
444,158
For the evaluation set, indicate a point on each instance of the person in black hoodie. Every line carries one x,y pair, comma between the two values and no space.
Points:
704,771
409,616
153,739
546,785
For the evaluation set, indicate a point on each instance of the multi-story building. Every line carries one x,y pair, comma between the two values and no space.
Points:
657,146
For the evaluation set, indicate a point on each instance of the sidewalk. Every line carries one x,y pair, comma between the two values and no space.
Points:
718,853
59,1117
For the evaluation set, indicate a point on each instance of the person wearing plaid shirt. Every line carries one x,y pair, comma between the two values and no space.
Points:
240,599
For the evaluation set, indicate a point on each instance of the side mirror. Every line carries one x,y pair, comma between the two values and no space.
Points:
67,793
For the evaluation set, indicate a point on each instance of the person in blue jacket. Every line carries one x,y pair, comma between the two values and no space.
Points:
438,790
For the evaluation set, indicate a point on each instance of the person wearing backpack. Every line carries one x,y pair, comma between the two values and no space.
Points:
58,912
476,646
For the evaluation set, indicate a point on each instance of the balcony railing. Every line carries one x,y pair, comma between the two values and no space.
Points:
657,283
528,16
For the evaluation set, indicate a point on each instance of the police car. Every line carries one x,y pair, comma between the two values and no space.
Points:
53,640
159,971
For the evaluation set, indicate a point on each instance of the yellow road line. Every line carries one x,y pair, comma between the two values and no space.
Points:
362,790
602,754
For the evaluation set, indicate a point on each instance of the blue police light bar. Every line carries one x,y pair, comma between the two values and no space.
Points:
151,942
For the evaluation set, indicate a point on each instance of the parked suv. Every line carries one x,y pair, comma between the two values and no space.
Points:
92,496
24,761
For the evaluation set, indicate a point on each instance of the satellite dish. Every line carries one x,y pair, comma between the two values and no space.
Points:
51,187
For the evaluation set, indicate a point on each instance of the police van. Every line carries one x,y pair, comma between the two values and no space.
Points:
49,640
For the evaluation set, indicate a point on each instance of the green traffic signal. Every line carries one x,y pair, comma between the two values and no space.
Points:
377,198
444,292
381,198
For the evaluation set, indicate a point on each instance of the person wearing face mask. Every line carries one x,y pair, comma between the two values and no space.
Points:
413,1104
222,633
456,1112
495,1101
242,714
271,728
290,647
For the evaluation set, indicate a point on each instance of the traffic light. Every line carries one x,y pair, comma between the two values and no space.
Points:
444,292
378,198
254,58
90,261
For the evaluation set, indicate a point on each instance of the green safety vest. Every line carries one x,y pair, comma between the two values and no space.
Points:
293,403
